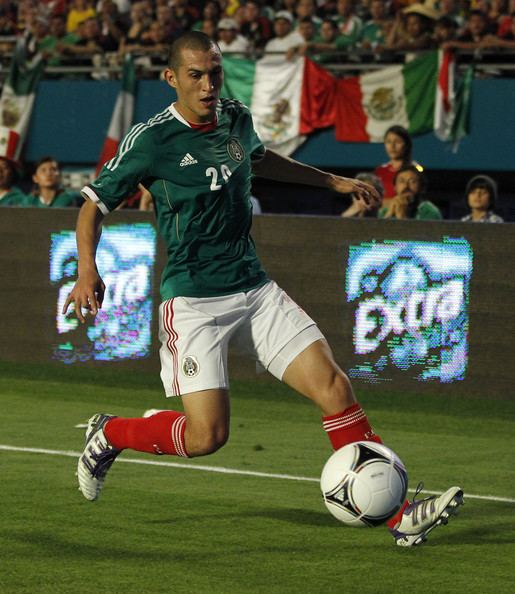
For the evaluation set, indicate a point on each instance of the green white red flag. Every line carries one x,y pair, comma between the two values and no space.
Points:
288,99
367,105
17,100
123,113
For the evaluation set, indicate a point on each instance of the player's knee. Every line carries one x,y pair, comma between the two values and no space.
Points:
207,441
337,394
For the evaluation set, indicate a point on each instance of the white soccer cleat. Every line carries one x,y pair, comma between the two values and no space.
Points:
96,459
423,516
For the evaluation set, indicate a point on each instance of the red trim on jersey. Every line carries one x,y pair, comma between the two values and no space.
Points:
207,127
172,339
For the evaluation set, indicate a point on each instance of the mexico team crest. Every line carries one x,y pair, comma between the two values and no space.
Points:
235,150
190,366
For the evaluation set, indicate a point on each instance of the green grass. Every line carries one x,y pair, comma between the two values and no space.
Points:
175,530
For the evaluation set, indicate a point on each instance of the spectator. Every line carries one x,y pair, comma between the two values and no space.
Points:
451,9
323,48
306,9
10,195
505,22
111,24
476,31
349,25
229,39
164,15
398,146
211,12
257,28
57,40
507,41
209,27
150,51
80,11
445,30
481,196
140,22
409,202
357,209
412,29
285,39
184,15
48,192
373,35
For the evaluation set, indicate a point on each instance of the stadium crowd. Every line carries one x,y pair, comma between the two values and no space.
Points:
77,31
72,32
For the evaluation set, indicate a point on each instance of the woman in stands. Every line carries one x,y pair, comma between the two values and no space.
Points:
398,146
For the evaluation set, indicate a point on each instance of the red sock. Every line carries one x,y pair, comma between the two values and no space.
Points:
162,433
352,425
349,426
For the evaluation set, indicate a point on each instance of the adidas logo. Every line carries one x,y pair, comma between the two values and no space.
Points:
188,160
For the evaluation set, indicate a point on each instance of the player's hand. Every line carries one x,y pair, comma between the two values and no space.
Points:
88,293
362,192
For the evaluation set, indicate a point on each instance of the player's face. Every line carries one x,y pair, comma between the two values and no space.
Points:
407,184
197,81
47,175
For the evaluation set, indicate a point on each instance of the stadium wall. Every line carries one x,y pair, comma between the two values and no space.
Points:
65,125
425,307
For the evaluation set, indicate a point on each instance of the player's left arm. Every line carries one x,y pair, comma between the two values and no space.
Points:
283,169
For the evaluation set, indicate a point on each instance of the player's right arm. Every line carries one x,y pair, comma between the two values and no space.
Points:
88,292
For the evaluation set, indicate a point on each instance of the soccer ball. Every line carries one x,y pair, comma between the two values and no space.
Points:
364,483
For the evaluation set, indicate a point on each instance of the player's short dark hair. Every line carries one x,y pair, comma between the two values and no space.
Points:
195,40
405,135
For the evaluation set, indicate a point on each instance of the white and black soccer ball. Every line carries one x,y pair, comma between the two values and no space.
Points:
364,483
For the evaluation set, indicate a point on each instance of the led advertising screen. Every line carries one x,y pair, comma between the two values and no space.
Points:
122,328
410,304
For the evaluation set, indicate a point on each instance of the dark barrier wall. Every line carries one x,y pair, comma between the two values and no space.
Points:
405,305
65,124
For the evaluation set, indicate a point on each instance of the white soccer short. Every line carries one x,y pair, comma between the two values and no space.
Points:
264,323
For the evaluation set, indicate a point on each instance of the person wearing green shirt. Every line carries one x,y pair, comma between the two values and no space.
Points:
48,192
408,202
196,158
10,195
53,45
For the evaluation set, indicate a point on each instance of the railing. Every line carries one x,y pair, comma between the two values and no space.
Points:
492,62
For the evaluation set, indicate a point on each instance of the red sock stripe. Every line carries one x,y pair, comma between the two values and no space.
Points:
172,339
344,421
178,436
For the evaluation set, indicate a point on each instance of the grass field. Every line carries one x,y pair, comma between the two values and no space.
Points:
161,529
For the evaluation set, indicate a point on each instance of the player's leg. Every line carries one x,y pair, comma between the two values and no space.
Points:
306,363
193,364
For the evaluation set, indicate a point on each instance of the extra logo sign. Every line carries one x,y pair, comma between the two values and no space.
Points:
410,302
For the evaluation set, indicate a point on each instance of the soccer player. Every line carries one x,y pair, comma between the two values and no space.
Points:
196,158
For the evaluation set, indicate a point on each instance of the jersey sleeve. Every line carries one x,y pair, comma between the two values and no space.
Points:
120,176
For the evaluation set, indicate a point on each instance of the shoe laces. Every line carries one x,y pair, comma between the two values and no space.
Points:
419,488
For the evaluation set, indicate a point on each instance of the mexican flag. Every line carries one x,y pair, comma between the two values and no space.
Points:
123,112
367,105
288,99
17,100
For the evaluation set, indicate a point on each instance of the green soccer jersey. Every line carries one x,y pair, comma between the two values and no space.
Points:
200,181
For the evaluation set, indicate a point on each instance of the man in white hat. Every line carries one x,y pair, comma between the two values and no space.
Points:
229,39
285,38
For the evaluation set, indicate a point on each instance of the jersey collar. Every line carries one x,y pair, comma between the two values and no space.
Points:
181,119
